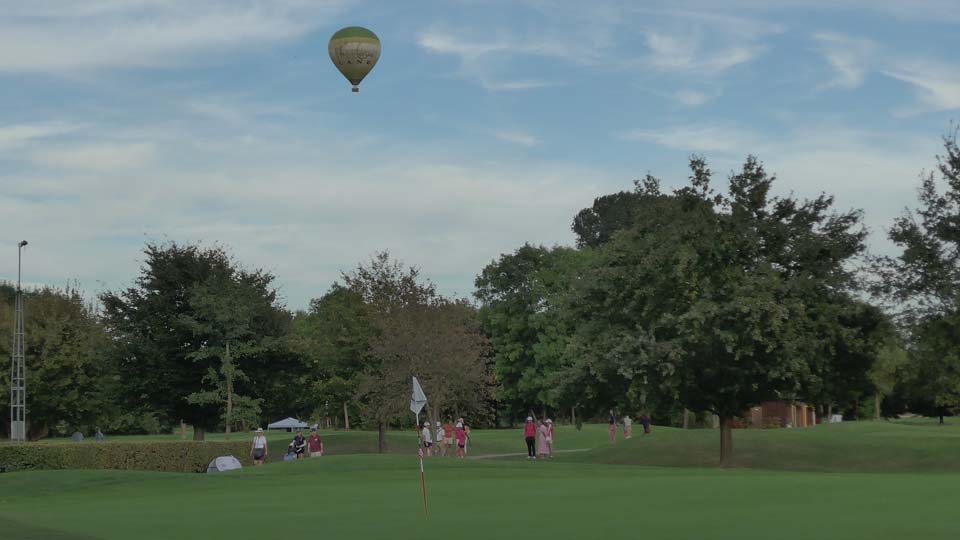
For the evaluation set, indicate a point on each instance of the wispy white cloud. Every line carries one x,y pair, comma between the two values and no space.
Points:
18,134
143,33
695,138
518,137
850,58
97,157
685,52
936,85
692,98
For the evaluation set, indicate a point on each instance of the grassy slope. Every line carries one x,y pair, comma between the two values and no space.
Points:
363,496
365,442
915,446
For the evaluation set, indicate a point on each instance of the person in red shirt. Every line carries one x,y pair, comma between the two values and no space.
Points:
530,435
448,435
315,444
461,440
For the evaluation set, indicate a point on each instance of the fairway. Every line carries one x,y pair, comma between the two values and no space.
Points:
576,495
378,497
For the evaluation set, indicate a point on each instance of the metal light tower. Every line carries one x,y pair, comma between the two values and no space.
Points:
18,372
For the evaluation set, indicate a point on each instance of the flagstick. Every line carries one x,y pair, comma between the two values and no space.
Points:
423,478
417,401
423,485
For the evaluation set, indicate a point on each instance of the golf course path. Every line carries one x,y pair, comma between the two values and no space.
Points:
521,454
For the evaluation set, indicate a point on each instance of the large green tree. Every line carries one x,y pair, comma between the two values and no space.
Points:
333,337
416,332
67,374
924,280
522,311
171,329
707,298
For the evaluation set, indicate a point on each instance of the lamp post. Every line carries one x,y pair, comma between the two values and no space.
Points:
18,375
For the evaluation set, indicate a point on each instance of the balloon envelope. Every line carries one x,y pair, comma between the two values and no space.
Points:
354,50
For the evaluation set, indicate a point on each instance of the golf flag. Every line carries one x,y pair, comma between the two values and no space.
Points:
418,399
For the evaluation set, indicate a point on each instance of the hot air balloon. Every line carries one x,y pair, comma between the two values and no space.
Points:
354,50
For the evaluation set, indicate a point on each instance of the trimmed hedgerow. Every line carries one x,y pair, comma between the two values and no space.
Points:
167,456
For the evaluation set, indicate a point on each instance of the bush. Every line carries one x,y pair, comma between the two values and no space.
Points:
172,456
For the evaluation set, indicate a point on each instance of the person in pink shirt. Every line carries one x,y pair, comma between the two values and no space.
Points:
542,433
550,436
530,435
461,435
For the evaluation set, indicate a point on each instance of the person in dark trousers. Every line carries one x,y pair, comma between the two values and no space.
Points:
613,427
300,445
530,435
645,420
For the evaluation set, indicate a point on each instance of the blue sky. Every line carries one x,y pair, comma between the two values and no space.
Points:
485,125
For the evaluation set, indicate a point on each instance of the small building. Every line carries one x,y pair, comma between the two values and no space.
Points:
776,414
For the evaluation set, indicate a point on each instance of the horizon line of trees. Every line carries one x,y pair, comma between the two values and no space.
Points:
709,298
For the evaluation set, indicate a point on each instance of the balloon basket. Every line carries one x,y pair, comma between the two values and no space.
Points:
355,89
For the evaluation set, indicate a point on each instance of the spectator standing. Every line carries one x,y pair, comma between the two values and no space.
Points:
299,445
259,449
530,436
427,439
613,427
315,444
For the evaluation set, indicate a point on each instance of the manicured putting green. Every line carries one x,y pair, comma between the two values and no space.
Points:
356,497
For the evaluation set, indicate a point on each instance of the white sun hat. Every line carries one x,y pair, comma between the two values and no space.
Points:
529,419
549,421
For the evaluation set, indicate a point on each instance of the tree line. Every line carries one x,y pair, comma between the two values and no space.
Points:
706,299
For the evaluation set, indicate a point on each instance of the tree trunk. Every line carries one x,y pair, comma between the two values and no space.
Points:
183,430
229,375
715,421
830,413
381,436
686,418
346,417
573,416
198,433
726,442
876,406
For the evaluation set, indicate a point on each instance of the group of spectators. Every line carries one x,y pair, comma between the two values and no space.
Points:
539,439
627,423
446,436
297,449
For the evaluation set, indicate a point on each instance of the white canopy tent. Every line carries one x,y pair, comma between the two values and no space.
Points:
288,424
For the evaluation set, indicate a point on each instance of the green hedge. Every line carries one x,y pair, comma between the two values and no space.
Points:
172,456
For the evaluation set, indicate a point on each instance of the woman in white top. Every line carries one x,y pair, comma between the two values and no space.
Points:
427,439
259,449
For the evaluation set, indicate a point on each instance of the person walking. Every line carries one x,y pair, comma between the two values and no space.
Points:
448,436
300,445
627,427
441,440
466,437
427,439
550,437
542,433
613,427
530,436
315,443
646,421
461,435
259,449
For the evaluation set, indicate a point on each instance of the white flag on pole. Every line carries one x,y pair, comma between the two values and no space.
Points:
418,399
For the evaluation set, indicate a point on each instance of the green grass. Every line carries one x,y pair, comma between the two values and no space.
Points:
900,446
899,481
359,497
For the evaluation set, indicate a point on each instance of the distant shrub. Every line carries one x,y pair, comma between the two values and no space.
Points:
163,456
